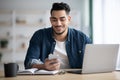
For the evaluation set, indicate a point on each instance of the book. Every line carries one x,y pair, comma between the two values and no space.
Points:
37,71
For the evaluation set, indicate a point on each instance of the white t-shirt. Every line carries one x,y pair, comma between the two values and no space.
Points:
60,50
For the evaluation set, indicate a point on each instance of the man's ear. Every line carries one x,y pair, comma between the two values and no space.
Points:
69,18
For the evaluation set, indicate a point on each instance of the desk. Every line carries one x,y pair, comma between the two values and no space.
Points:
68,76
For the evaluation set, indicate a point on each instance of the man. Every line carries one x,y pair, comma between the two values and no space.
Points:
59,39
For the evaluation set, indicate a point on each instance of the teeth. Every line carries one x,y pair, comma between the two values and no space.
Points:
58,28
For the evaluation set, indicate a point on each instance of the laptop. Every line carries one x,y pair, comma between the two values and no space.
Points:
99,58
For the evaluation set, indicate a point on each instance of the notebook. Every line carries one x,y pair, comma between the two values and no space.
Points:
99,58
34,71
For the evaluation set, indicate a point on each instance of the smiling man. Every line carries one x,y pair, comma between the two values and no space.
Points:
60,40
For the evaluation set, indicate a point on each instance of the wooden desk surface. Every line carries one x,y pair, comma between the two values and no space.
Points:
67,76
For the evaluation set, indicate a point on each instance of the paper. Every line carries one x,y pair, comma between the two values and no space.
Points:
36,71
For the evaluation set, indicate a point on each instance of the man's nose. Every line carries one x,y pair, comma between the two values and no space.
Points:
58,22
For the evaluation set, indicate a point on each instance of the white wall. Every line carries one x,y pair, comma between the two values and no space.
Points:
81,5
35,4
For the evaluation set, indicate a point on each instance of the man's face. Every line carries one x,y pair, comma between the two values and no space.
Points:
59,20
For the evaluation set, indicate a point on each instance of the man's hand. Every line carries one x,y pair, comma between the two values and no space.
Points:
52,64
49,64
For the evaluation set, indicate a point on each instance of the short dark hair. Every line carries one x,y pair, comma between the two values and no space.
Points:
60,6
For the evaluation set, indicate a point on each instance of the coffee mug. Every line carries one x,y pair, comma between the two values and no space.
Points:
10,69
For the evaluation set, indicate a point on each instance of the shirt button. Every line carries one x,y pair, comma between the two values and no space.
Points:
79,51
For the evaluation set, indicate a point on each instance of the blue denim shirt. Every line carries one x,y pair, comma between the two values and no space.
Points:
42,44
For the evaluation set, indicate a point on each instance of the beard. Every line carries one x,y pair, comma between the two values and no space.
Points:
59,33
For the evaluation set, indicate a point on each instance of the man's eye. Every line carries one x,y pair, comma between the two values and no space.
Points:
63,19
54,20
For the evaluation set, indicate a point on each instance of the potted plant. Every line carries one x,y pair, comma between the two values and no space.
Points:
0,56
4,43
